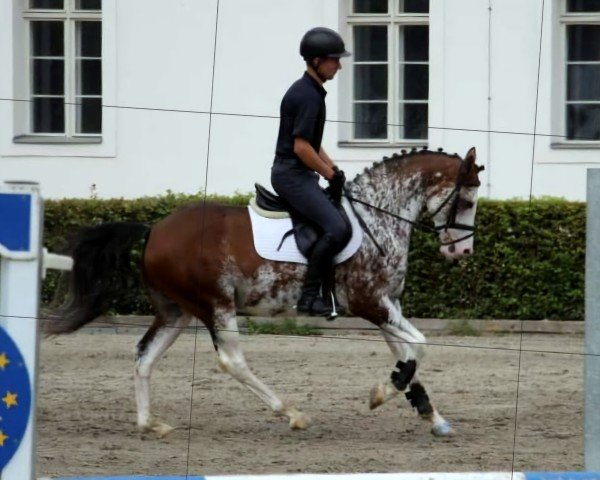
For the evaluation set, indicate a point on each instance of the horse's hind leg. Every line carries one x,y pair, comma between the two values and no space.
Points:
231,360
407,345
168,324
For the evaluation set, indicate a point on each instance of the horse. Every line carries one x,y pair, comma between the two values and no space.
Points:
200,263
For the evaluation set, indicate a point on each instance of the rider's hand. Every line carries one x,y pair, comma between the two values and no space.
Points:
336,185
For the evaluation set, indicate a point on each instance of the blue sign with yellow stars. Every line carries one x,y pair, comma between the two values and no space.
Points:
15,398
15,214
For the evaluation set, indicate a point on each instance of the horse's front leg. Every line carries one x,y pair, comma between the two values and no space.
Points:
407,345
232,361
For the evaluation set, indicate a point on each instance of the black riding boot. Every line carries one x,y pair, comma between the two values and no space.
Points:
319,264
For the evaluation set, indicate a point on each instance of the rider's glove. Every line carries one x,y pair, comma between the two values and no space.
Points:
336,185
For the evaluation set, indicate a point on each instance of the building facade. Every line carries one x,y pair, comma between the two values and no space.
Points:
128,98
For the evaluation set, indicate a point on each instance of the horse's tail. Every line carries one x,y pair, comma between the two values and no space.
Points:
102,268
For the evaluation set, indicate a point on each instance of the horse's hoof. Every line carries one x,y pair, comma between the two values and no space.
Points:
377,396
160,429
443,430
144,428
298,421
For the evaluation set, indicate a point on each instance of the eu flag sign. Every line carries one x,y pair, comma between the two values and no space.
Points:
15,398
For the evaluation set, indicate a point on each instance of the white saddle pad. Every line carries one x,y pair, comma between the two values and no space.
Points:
268,232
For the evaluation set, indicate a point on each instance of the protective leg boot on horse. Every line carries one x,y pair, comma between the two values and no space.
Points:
318,272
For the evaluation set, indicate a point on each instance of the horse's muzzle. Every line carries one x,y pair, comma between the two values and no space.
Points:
457,250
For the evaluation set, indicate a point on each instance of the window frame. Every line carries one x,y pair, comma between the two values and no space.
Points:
566,19
70,16
393,20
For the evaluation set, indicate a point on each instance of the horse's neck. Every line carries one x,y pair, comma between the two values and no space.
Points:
401,195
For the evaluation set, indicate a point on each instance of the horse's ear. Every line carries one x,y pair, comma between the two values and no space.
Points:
471,155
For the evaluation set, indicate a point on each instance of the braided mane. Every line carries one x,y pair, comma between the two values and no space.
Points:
405,155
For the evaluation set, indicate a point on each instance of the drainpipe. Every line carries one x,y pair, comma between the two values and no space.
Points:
489,109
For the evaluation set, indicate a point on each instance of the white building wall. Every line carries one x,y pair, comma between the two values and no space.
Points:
558,171
458,84
515,47
158,54
257,60
462,34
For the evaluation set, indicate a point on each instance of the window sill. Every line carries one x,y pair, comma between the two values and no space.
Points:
406,144
56,140
575,145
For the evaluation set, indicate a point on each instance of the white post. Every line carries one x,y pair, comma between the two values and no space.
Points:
592,324
20,273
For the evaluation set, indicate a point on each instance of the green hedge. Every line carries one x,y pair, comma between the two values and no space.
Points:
528,262
62,218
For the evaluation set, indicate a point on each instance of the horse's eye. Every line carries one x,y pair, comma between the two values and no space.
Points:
465,204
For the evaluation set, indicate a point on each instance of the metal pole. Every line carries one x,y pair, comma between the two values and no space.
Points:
592,324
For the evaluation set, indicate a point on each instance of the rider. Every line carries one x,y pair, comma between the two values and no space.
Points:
300,159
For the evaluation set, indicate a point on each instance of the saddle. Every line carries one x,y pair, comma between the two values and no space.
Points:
306,233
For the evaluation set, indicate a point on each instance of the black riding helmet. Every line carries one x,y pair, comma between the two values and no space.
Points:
322,42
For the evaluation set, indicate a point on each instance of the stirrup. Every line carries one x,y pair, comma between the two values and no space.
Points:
336,308
332,316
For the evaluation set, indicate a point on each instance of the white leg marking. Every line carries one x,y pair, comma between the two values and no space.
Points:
143,368
403,338
406,343
415,338
440,426
232,361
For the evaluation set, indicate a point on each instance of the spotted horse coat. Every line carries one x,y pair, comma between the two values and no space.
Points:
199,262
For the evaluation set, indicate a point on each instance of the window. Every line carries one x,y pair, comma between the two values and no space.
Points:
65,67
390,69
581,22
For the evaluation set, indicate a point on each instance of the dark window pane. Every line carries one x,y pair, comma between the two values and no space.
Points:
414,6
370,6
89,77
370,43
89,115
47,39
88,5
48,77
583,43
414,43
583,82
415,80
414,119
46,4
583,122
48,115
370,120
583,6
89,39
370,82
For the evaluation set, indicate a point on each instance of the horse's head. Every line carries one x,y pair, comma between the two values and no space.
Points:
452,203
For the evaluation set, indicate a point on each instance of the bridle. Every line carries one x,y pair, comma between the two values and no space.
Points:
451,219
453,196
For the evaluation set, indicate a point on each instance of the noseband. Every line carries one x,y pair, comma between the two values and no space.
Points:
450,221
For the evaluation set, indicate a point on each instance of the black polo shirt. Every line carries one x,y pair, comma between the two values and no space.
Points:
302,114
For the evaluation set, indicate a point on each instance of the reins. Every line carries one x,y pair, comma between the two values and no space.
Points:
450,222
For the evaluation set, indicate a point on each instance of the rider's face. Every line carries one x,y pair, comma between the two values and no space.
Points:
328,67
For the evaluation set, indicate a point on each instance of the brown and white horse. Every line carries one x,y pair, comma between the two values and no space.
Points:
200,262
